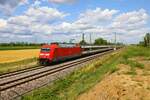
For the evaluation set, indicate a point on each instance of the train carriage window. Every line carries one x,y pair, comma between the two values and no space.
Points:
45,50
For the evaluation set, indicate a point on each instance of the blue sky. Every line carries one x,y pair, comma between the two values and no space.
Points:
62,20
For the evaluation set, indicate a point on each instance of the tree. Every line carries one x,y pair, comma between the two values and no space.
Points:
147,40
82,42
100,41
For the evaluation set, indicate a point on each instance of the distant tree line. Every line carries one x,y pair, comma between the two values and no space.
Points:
100,41
20,44
146,40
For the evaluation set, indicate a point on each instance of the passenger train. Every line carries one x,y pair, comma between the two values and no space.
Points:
56,52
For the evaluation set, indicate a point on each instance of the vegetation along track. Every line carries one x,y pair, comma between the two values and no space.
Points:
22,77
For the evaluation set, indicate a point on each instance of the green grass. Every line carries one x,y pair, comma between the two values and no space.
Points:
13,66
76,83
18,47
131,63
81,80
132,52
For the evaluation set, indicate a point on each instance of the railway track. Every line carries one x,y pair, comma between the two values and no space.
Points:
20,71
8,74
11,80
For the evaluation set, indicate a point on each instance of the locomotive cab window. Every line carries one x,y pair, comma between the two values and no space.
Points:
45,50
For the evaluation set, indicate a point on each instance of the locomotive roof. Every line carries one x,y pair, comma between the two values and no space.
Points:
65,44
61,45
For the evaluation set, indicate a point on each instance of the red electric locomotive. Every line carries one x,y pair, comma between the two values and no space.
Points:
58,52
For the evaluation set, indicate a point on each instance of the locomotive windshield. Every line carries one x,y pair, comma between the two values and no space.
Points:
45,50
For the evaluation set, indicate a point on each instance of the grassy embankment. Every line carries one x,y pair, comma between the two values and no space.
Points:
81,80
11,60
131,53
17,65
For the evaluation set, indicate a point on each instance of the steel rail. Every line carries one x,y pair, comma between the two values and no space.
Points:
12,80
20,71
15,82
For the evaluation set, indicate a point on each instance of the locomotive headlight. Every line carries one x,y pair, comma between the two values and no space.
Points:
46,54
41,54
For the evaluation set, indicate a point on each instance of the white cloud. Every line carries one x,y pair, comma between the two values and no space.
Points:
49,24
37,15
21,20
36,3
131,26
89,21
3,23
43,29
96,16
44,14
131,20
35,21
62,1
105,22
7,6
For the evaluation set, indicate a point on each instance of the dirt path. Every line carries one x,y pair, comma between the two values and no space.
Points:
122,86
